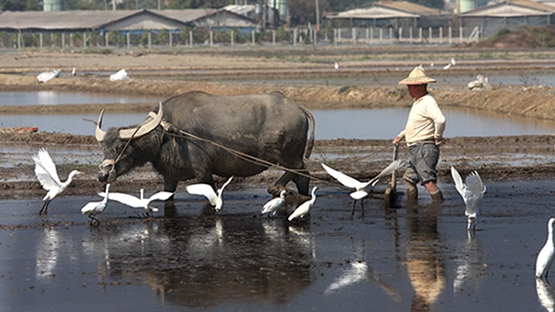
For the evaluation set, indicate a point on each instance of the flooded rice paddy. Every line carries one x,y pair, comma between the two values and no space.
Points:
415,258
412,258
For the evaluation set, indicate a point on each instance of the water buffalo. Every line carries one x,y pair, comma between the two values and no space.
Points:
196,135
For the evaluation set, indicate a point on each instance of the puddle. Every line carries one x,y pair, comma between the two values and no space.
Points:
22,98
379,123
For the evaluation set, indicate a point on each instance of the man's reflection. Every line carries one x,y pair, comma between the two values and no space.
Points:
425,265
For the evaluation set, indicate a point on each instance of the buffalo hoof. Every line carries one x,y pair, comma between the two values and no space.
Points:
276,190
292,198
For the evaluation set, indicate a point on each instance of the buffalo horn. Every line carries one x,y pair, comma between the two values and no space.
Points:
148,125
99,133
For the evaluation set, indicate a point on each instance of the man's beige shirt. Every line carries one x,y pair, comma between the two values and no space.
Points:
426,121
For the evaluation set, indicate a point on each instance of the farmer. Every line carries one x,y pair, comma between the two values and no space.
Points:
423,134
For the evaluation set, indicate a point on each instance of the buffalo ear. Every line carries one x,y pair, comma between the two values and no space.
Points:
145,127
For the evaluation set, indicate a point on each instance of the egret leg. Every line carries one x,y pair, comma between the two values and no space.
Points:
302,181
353,210
94,222
44,208
362,207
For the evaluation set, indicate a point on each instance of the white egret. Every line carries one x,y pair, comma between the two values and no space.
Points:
215,197
362,189
545,256
451,64
139,203
472,193
120,75
336,66
480,83
49,75
273,205
45,169
73,71
95,208
304,209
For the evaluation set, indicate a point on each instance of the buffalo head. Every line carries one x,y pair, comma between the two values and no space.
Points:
126,148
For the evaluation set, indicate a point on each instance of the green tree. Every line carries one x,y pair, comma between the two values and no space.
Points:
436,4
20,5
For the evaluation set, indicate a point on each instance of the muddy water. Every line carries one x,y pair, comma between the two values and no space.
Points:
415,258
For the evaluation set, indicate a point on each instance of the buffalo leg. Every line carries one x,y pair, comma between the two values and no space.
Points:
170,185
302,181
285,178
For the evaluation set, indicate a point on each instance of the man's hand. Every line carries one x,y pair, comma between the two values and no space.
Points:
397,140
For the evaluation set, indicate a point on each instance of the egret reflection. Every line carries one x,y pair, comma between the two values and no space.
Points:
545,294
47,254
356,271
470,267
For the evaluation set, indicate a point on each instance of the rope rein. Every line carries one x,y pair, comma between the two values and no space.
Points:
173,131
113,162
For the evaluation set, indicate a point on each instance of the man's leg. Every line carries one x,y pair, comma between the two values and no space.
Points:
427,158
434,191
411,180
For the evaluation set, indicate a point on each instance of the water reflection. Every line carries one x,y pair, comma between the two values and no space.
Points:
47,254
470,268
382,123
425,263
354,123
205,261
22,98
356,271
545,294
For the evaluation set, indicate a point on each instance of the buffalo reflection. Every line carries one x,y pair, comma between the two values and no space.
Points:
200,261
425,264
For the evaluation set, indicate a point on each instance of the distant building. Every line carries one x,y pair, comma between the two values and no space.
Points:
395,14
270,17
135,21
214,19
508,14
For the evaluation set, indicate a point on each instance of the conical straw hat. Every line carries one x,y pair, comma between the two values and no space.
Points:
417,76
